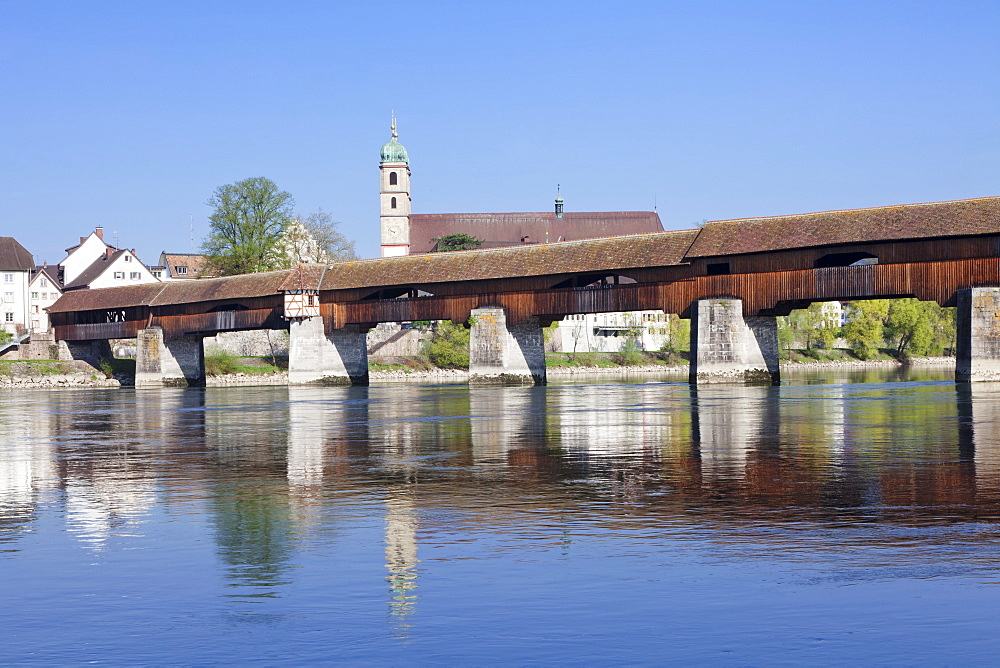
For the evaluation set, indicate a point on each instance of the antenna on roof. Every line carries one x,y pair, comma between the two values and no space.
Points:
654,202
116,239
191,223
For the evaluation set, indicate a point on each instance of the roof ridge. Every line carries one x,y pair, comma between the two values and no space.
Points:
849,210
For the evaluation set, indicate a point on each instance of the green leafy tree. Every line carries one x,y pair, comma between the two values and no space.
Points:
456,242
864,328
449,347
247,223
786,335
815,326
919,328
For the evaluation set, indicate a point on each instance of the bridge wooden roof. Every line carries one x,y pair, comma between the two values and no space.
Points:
827,228
173,292
642,250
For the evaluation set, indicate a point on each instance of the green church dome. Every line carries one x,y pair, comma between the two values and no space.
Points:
394,151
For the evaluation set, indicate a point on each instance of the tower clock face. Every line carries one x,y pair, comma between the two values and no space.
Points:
394,231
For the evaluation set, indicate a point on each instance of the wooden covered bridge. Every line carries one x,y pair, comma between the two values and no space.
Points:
731,278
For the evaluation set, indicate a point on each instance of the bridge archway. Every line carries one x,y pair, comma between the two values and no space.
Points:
855,259
595,281
401,292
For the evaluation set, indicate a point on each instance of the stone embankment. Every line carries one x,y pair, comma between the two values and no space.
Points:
234,379
57,380
430,375
859,364
614,370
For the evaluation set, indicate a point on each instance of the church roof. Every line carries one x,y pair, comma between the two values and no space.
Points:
507,229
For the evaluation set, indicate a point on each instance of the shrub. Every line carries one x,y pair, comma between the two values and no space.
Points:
630,355
218,362
449,347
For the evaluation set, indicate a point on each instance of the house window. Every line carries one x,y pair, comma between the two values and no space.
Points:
34,295
119,274
44,283
392,179
8,297
8,278
34,308
157,274
180,269
134,275
393,203
8,317
128,258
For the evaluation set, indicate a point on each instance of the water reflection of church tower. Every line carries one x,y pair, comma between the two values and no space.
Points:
401,555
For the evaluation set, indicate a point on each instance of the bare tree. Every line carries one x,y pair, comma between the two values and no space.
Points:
330,241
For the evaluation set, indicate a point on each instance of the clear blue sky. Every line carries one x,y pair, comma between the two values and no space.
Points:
129,114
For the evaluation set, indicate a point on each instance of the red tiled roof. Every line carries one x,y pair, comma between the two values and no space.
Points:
826,228
505,229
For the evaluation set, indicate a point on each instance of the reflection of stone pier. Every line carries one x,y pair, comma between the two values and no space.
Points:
729,420
504,419
979,435
401,556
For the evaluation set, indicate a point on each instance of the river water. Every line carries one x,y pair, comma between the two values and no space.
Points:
839,518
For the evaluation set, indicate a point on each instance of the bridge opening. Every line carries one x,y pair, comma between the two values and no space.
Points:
846,260
397,293
228,307
718,269
594,281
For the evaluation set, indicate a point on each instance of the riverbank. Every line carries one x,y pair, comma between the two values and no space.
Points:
48,374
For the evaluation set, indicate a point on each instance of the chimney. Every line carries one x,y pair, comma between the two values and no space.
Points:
526,239
99,231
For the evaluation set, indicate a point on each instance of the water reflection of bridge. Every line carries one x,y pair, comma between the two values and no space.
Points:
276,466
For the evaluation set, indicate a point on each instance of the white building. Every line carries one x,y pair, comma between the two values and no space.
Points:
609,332
45,288
95,264
16,265
114,268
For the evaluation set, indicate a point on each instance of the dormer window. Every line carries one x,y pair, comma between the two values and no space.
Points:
180,269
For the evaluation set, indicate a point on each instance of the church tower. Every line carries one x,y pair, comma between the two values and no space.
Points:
394,198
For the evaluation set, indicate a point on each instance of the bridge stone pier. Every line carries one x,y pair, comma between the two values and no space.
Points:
338,358
727,347
978,339
502,354
159,363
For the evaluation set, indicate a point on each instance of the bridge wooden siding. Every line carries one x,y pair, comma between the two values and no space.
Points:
668,271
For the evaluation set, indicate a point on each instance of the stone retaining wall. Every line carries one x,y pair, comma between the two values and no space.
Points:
57,381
